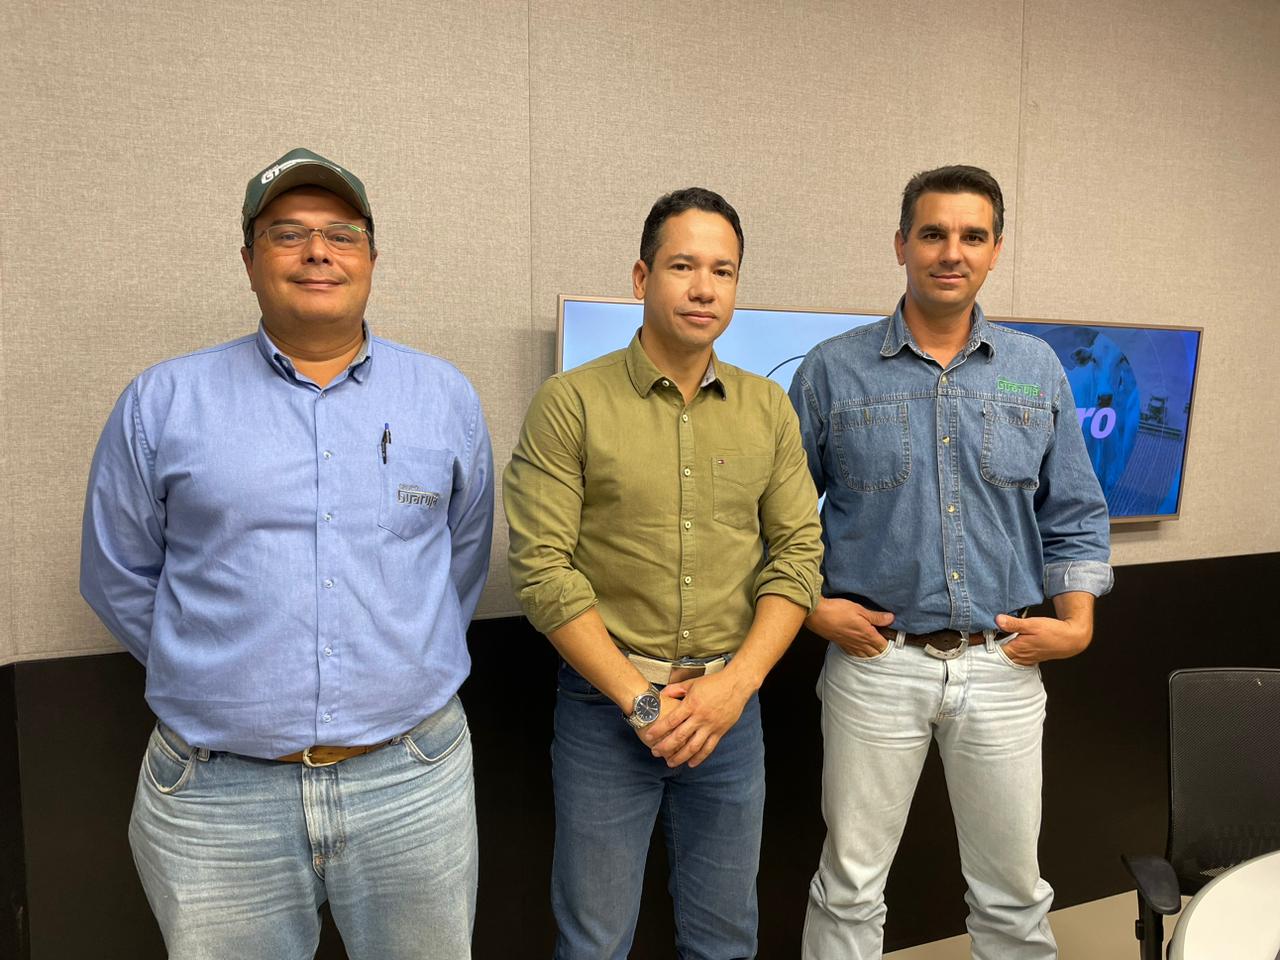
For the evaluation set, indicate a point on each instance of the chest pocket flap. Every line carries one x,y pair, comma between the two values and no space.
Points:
416,483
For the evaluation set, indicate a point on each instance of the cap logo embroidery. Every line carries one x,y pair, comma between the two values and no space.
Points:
271,173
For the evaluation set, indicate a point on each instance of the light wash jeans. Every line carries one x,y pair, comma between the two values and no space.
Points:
878,716
609,789
236,855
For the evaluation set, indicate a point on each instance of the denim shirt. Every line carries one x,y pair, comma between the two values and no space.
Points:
951,495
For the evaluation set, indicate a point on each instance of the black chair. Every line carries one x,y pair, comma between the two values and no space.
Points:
1224,789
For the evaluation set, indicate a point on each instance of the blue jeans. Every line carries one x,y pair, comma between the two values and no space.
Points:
609,789
878,716
236,854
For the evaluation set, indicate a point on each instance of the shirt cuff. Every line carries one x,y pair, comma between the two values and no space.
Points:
1085,576
549,606
805,596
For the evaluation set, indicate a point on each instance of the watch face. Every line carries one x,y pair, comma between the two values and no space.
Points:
646,708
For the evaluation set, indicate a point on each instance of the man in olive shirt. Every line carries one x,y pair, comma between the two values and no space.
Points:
638,496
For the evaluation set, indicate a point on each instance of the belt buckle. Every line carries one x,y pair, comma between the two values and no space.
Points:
948,653
308,762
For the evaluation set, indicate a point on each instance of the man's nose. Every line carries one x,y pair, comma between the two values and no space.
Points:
316,249
703,286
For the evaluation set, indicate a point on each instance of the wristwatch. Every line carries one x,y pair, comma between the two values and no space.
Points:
645,708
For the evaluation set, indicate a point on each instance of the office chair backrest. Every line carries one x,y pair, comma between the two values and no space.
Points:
1224,770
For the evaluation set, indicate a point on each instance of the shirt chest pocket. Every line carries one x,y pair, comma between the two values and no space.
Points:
737,483
416,482
873,445
1014,441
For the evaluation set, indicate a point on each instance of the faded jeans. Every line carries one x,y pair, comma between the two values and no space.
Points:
878,716
236,854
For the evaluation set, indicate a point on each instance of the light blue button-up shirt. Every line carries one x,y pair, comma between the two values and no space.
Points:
284,586
951,495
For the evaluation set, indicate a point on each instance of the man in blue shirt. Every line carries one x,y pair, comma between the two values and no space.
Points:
291,531
958,492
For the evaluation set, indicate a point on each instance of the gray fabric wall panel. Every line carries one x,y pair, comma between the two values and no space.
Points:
1149,158
8,643
511,152
138,130
808,117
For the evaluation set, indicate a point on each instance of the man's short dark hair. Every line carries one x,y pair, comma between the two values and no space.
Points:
959,178
677,202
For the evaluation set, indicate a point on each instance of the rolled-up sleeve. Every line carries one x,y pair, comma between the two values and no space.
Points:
542,492
122,545
1071,511
789,518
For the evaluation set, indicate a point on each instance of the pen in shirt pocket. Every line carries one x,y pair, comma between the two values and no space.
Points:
386,440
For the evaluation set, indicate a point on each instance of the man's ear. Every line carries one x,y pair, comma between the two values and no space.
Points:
899,244
247,256
639,276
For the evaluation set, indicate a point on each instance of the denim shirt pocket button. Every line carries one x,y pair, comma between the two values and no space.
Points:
873,445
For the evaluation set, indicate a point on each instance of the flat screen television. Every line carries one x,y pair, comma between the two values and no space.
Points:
1133,385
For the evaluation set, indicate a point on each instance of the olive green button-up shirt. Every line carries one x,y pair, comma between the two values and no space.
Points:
619,495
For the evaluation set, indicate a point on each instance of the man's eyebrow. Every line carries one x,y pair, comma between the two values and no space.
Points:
939,228
295,222
722,262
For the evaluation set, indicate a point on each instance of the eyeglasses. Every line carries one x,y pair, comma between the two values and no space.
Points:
339,236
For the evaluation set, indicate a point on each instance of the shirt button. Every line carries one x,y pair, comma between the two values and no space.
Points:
688,524
328,517
688,580
954,575
328,584
951,508
687,471
944,378
328,651
666,383
684,417
685,634
946,439
326,718
327,454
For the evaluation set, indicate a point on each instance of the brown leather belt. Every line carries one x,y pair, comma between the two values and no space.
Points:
942,644
319,756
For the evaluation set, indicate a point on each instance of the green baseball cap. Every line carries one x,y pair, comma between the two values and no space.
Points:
301,168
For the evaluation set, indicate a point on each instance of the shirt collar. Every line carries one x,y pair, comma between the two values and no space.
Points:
280,362
899,335
645,376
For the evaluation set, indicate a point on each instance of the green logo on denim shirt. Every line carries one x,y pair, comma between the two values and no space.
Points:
1021,389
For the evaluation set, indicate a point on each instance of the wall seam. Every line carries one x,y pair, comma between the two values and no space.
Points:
533,286
1020,159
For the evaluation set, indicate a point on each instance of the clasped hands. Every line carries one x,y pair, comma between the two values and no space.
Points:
695,714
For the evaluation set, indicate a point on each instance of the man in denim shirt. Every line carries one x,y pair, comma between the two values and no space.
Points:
958,492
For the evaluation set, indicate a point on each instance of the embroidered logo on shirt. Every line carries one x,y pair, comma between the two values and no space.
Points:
1023,389
414,495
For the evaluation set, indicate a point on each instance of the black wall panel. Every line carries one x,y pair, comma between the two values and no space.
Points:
13,889
81,725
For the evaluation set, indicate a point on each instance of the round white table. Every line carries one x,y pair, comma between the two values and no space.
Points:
1235,917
